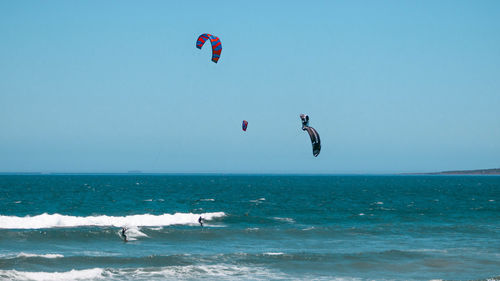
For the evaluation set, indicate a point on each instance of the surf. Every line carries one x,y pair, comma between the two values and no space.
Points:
46,220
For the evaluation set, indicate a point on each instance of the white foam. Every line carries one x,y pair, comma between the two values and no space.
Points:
208,272
17,202
99,254
428,250
189,272
156,228
30,255
57,220
290,220
86,274
47,256
208,199
274,254
252,229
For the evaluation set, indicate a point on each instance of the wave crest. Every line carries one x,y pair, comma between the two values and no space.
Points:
86,274
57,220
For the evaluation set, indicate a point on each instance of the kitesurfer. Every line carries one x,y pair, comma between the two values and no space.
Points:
200,220
305,121
124,236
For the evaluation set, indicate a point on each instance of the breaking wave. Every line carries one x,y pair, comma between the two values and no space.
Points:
57,220
190,272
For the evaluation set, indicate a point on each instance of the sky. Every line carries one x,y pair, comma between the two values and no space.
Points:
116,86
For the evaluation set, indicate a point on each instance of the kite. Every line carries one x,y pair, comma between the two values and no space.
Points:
216,45
313,134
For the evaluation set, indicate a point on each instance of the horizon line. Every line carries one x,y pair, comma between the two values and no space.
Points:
138,173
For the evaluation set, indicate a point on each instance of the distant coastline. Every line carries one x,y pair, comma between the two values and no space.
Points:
465,172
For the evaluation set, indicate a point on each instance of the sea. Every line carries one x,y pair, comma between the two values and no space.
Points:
256,227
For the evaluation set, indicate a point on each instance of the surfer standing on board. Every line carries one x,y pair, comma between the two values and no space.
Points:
124,236
200,220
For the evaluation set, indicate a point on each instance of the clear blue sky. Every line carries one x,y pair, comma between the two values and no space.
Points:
113,86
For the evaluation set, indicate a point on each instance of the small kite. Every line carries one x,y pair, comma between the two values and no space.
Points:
244,125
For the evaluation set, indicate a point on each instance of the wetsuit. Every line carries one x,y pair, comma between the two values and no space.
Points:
124,236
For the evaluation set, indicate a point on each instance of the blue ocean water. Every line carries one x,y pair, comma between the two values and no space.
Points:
67,227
